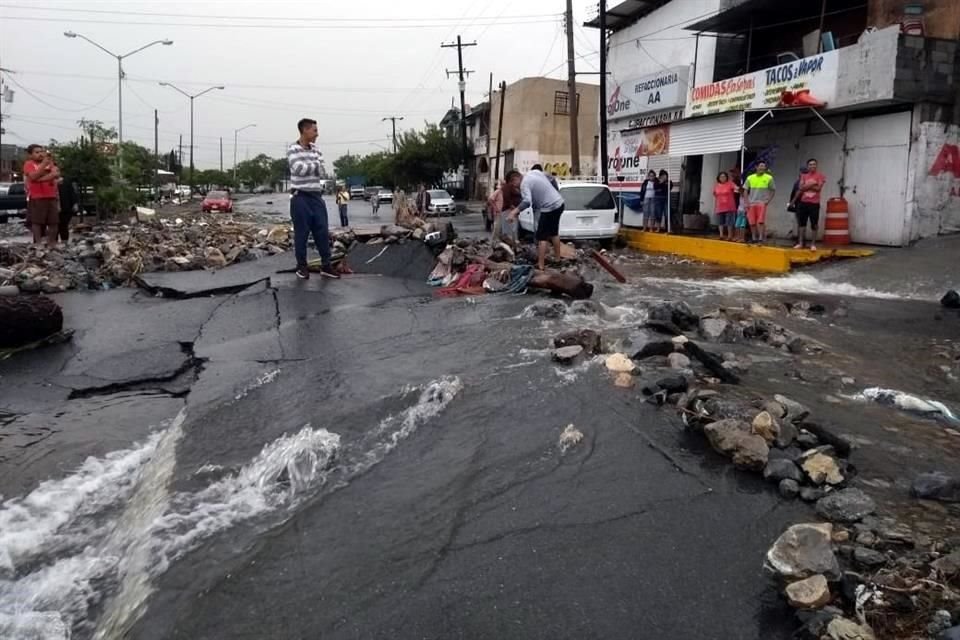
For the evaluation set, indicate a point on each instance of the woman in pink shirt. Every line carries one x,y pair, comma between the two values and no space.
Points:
725,205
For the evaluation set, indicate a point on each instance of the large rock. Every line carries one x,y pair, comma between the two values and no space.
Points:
586,338
717,330
951,300
788,489
821,468
215,258
568,355
846,505
948,565
620,363
809,593
673,384
782,469
678,313
870,558
788,433
551,309
795,410
936,486
733,439
766,427
804,550
843,629
678,361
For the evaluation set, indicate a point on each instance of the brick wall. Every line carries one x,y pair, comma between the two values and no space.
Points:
927,70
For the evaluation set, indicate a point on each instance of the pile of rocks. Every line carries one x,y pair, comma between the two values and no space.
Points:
862,576
111,255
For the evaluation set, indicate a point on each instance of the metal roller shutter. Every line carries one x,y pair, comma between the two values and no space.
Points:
703,136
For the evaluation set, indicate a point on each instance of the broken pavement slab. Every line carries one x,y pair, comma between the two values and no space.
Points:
189,284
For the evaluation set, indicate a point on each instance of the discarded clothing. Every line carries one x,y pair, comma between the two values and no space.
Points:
520,277
469,283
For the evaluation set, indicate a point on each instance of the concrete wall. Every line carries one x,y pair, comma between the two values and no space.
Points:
866,70
926,70
663,42
536,133
935,178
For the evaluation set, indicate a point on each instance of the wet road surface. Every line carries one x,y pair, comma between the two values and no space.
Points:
357,459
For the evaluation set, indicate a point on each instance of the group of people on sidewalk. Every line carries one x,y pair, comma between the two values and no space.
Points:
742,204
52,199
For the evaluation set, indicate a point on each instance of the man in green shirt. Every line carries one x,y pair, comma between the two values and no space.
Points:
760,189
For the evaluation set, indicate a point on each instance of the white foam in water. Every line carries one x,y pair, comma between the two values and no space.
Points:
906,402
125,552
266,378
793,283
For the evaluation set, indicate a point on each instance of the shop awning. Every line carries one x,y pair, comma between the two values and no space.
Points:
710,134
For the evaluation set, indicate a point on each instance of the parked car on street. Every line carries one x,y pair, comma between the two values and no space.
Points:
384,195
217,201
370,192
440,202
13,201
357,191
590,212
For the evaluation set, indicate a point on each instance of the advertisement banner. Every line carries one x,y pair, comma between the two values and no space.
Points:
646,94
629,150
762,89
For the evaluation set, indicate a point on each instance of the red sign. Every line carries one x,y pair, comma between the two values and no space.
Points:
948,161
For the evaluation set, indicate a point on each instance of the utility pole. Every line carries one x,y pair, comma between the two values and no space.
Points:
221,154
503,98
393,121
603,92
156,155
463,106
574,103
490,186
180,155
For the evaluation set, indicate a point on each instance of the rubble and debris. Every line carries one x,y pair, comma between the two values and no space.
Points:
951,300
936,485
821,468
586,338
804,550
570,437
843,629
780,469
620,363
568,355
846,505
766,427
26,319
732,438
809,593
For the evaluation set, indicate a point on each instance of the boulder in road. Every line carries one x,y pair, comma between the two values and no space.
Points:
846,505
809,593
804,550
586,338
766,427
782,469
821,468
717,330
732,438
843,629
678,361
678,312
788,489
673,384
869,558
951,300
620,363
551,309
795,410
568,355
936,485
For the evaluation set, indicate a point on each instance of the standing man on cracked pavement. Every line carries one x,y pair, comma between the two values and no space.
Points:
307,208
538,192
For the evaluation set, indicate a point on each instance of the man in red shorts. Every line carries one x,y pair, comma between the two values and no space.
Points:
760,190
43,204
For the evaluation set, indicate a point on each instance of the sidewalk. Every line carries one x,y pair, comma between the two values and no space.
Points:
770,257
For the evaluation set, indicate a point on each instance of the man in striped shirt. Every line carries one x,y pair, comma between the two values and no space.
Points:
307,208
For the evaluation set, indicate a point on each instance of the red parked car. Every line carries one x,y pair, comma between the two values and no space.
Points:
217,201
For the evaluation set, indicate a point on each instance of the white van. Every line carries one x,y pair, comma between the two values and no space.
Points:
590,212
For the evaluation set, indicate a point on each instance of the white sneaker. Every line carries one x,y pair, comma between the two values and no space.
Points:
813,247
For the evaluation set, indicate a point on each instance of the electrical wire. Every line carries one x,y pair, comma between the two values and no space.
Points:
53,106
550,51
298,27
259,18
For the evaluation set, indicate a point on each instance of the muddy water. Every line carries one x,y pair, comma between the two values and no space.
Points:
398,474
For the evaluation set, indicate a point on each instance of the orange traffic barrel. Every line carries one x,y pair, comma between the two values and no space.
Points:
836,228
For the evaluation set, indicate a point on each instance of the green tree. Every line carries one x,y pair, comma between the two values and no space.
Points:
346,166
139,165
279,170
212,178
255,171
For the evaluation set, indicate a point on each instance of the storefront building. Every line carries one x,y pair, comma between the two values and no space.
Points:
884,125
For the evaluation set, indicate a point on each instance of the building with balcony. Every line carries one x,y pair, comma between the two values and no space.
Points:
880,111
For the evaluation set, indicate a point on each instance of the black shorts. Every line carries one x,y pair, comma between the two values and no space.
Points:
549,225
808,212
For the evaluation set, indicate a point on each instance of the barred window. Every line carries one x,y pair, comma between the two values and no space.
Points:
561,103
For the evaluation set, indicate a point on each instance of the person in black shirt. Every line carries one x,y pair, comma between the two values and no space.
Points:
69,205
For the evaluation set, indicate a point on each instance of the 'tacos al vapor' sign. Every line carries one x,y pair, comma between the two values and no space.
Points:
656,92
762,89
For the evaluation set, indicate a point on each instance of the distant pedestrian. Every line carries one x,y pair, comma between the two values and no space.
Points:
43,209
648,195
760,189
725,205
69,205
422,201
343,198
807,203
307,208
375,205
538,193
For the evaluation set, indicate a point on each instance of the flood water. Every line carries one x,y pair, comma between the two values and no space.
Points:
359,460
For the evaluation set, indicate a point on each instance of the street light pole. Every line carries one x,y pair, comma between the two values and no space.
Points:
236,133
119,57
192,98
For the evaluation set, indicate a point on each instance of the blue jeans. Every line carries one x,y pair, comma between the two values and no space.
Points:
309,215
343,216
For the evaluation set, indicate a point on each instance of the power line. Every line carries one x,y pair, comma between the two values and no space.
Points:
286,27
550,51
259,18
53,106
